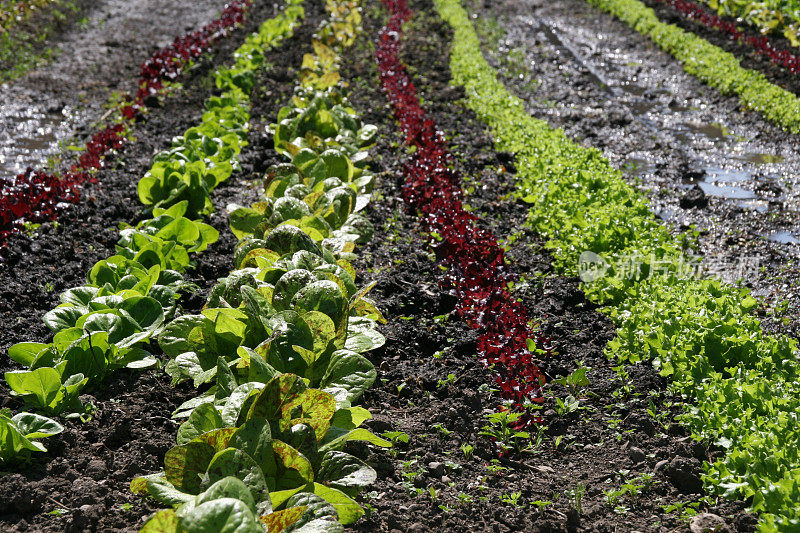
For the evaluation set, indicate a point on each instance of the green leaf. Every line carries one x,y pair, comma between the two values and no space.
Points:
25,353
237,463
362,335
14,443
165,521
350,371
181,230
323,296
162,490
243,221
357,434
78,296
185,465
280,520
145,311
174,339
255,438
344,470
203,419
270,401
238,400
260,370
228,487
223,515
349,511
317,510
40,387
63,317
293,460
33,426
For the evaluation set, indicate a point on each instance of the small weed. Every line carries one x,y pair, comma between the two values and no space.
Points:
468,450
512,499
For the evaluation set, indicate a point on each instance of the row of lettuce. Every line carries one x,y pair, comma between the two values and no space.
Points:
277,347
14,12
710,63
475,261
740,384
279,343
768,16
128,298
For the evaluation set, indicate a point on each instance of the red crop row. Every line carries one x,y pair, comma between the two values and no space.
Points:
760,43
37,196
476,262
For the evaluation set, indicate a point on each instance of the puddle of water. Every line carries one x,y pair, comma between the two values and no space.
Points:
29,134
714,132
760,159
641,107
720,174
754,205
666,214
783,237
632,88
723,191
678,108
638,166
714,181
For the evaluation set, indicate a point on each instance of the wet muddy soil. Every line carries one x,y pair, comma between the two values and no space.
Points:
94,57
81,484
448,476
703,161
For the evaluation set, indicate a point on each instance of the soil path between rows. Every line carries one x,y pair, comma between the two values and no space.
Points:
94,58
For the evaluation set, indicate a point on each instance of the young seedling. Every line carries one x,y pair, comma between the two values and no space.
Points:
449,380
575,381
568,405
468,450
395,437
512,499
575,497
443,431
501,431
541,506
495,467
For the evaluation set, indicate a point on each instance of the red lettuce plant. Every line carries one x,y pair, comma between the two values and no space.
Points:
477,269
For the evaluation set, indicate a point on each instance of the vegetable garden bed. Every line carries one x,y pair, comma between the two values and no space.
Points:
347,296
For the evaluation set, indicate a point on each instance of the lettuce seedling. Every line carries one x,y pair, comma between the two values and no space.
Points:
19,434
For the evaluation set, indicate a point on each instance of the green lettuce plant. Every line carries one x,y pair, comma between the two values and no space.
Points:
20,434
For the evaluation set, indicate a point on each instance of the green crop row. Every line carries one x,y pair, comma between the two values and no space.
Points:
12,12
766,15
280,339
710,63
130,297
740,385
